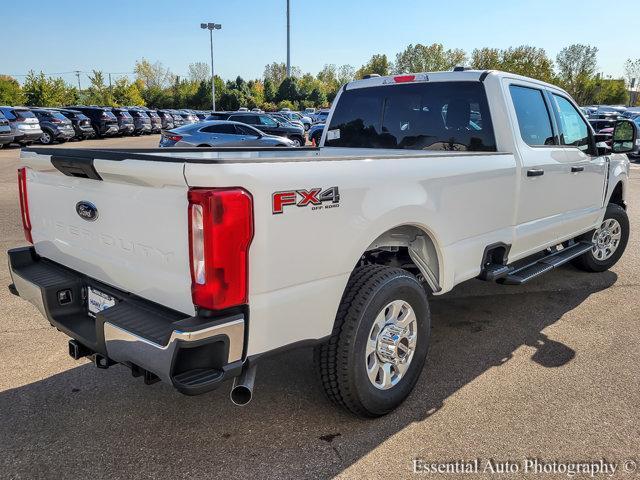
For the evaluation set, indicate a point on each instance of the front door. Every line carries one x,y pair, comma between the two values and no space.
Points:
539,208
585,171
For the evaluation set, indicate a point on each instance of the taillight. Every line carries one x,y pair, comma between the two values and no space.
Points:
220,232
173,138
24,204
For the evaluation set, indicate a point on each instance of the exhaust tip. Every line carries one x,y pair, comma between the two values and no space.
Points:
241,395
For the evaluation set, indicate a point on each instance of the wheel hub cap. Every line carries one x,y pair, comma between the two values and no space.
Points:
391,344
606,239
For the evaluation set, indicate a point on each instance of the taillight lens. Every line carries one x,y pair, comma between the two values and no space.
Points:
220,233
173,138
24,204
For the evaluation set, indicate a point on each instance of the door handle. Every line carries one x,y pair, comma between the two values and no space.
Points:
535,172
577,169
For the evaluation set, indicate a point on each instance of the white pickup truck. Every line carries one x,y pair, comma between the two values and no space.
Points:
189,265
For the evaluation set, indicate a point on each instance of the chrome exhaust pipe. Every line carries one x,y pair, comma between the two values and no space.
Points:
242,389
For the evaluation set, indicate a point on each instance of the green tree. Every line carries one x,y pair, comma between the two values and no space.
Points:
286,104
152,74
428,58
608,92
98,93
486,59
199,72
270,90
345,74
317,97
232,100
528,61
378,64
10,91
127,93
288,90
276,72
577,65
42,91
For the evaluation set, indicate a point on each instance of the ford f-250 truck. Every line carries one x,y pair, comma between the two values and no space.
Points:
189,265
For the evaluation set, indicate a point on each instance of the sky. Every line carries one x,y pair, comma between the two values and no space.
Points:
110,35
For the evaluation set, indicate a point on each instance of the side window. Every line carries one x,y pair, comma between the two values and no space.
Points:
573,130
533,117
9,114
222,129
267,121
246,131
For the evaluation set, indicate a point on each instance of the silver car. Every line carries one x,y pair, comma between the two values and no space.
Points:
219,133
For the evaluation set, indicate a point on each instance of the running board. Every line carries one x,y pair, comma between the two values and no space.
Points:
528,272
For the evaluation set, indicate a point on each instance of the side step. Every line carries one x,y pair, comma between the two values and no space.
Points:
528,272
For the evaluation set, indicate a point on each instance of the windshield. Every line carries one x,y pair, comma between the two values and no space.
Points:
417,116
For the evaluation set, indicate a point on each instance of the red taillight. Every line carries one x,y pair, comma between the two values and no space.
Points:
220,232
24,204
56,120
404,78
173,138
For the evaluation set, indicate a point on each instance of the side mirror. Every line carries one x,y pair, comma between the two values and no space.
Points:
624,136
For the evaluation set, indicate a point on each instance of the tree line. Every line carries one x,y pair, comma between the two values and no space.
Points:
575,69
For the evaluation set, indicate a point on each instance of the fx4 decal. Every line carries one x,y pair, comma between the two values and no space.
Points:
316,198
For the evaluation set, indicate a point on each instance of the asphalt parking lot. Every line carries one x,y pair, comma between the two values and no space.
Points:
548,370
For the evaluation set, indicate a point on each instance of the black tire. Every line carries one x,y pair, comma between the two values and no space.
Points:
588,262
297,138
341,361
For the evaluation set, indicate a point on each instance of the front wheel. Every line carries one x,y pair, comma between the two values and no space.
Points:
609,241
379,343
297,141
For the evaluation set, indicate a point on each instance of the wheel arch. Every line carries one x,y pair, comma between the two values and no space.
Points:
421,245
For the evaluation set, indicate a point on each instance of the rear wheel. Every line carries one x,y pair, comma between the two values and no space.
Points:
297,141
46,138
379,342
609,241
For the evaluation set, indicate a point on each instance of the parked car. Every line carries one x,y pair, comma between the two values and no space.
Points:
283,119
103,121
309,112
188,117
6,136
218,115
295,116
125,121
321,116
55,126
315,133
341,247
25,127
599,124
141,121
219,133
166,119
178,119
265,123
156,121
81,123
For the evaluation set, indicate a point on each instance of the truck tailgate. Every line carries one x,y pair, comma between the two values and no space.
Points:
138,241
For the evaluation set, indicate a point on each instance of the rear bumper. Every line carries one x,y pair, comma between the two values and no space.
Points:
194,354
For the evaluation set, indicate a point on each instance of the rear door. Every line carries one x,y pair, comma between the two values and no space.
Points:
585,171
138,242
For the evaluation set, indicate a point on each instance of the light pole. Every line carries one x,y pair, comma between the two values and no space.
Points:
211,27
288,39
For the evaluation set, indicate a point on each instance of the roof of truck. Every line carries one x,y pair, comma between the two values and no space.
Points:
447,76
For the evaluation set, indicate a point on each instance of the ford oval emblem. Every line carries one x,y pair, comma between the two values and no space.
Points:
87,211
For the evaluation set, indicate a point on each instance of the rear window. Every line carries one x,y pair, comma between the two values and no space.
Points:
451,116
23,114
59,116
